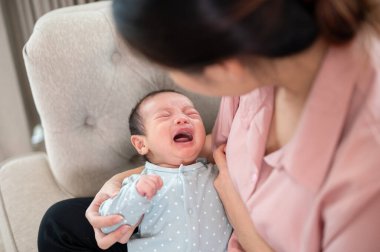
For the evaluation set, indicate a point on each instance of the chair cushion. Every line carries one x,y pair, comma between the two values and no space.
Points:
85,81
27,189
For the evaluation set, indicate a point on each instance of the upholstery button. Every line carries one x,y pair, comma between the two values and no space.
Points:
90,121
116,57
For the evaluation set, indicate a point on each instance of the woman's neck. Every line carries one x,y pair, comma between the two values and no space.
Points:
298,72
296,78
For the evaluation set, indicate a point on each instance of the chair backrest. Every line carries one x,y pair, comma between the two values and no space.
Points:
85,81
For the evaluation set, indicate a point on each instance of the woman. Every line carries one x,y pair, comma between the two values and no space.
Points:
299,115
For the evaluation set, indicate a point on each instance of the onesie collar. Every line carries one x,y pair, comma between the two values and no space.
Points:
182,168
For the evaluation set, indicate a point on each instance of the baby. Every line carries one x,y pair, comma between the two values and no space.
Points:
174,197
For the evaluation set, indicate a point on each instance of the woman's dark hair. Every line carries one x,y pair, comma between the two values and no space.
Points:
190,34
136,124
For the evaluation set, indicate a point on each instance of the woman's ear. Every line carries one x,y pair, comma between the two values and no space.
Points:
139,142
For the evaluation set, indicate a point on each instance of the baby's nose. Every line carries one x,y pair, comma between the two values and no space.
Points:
181,120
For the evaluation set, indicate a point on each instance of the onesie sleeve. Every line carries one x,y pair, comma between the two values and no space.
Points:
127,203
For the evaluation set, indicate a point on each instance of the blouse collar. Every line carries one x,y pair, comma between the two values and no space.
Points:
310,152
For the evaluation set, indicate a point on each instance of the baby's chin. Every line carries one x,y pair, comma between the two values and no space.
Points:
189,158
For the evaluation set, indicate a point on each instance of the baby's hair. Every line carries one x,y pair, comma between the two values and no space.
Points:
136,124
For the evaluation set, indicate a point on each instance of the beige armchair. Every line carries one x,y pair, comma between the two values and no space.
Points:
84,81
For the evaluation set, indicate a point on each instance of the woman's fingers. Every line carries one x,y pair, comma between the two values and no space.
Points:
109,189
105,241
97,222
93,216
220,156
221,162
124,239
92,210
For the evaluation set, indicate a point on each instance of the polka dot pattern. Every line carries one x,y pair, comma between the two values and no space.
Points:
185,215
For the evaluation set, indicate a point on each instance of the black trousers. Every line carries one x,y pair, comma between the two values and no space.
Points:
64,228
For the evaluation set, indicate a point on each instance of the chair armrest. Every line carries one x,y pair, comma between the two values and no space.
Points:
27,189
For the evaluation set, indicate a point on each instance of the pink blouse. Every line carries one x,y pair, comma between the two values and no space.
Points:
321,192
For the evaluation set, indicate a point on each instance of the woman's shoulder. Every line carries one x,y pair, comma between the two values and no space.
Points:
361,129
363,118
356,164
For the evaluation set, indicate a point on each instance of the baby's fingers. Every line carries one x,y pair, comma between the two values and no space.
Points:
148,185
152,180
157,180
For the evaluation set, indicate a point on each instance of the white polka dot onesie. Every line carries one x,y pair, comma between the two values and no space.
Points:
186,214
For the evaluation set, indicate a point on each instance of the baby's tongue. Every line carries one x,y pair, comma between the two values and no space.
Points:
182,138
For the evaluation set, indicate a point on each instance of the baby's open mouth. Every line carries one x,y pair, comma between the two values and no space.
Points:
183,137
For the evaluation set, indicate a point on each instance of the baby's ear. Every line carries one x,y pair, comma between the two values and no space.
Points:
139,142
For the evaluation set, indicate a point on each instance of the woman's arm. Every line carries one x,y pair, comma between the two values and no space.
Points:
237,213
109,189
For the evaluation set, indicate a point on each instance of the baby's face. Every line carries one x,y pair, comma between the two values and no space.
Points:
174,130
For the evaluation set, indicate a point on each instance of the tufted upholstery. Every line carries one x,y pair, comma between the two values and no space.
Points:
84,82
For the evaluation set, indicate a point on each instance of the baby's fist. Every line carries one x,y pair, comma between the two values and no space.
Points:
148,185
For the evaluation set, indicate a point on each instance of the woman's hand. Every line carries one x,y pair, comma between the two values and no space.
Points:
237,213
206,151
109,189
223,180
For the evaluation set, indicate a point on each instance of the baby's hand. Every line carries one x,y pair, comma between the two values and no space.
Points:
148,185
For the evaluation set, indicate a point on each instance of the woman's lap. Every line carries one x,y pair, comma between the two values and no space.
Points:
64,227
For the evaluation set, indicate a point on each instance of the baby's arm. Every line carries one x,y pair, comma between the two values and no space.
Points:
131,202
